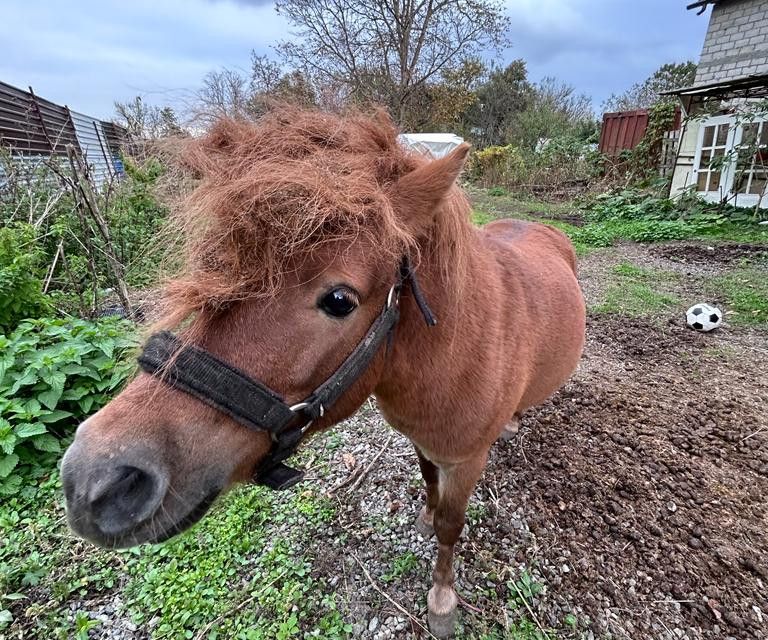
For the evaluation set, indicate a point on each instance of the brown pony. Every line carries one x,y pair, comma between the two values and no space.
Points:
294,237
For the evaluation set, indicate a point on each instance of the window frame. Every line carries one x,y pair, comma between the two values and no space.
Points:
729,169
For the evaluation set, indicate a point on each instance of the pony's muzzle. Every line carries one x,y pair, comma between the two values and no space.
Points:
110,496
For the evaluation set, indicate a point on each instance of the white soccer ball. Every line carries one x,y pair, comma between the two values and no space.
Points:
704,317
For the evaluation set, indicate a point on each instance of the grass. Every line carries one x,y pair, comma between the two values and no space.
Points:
745,294
497,203
634,291
480,218
232,568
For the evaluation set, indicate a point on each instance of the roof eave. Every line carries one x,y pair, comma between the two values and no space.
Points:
701,5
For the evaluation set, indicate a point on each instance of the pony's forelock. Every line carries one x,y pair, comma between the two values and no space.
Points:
274,191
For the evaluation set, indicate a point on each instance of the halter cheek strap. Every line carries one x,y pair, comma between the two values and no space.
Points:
256,406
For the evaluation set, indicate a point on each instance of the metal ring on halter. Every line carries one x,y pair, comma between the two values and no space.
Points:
304,405
391,296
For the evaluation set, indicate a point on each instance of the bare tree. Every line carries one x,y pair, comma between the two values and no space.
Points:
146,121
141,120
265,74
224,93
386,50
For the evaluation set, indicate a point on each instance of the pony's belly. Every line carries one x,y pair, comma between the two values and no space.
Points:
452,436
556,361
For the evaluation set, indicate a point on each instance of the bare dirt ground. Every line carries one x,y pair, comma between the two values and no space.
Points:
631,505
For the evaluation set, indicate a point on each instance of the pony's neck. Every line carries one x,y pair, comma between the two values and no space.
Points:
448,258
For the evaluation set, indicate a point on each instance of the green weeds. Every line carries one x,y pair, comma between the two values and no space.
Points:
745,292
633,291
237,574
402,565
53,373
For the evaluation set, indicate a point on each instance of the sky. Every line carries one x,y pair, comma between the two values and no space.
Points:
90,53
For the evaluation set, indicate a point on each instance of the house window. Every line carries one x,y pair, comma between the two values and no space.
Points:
713,150
752,163
731,162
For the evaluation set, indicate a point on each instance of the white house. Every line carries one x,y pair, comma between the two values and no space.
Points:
732,75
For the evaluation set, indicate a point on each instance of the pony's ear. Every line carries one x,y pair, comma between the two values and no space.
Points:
417,194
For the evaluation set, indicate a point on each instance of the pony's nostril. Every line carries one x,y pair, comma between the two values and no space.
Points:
125,497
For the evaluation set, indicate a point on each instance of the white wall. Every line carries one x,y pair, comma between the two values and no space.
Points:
683,175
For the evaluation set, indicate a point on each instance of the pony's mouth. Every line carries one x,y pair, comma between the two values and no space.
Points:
188,520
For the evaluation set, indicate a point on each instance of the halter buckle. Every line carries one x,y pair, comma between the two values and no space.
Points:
393,296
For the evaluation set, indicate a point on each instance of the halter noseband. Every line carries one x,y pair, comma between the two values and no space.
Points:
253,404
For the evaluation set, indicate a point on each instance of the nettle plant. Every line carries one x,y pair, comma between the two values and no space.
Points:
53,373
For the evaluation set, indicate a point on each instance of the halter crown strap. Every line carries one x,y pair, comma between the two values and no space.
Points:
256,406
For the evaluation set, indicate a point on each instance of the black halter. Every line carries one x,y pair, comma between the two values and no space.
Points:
256,406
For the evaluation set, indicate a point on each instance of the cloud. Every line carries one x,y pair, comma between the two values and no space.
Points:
107,50
602,46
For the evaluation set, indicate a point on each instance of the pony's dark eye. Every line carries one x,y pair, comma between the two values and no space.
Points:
338,302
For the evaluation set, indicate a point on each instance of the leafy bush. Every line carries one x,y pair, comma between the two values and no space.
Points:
498,165
53,373
136,218
95,243
630,204
592,235
20,276
660,230
635,204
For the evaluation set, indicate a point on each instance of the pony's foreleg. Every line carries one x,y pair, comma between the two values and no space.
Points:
425,520
457,481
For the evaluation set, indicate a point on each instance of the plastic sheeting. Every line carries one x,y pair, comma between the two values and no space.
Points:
435,145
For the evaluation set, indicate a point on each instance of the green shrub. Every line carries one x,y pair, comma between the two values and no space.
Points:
498,165
659,230
59,231
630,204
136,217
635,204
592,235
53,373
21,273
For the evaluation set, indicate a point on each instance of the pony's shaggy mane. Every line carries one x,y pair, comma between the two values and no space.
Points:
274,191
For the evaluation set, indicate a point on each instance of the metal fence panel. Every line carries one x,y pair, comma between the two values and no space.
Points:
31,126
93,145
622,131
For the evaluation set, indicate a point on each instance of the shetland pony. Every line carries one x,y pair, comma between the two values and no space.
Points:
294,237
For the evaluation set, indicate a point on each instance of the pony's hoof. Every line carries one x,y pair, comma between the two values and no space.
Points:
424,524
443,626
442,611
